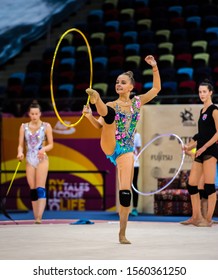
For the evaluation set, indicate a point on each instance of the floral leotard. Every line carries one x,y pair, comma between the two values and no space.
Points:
125,129
34,142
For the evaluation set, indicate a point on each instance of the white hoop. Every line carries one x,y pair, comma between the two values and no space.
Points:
182,161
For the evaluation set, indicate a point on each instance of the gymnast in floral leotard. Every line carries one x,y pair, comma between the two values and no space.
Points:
118,120
36,137
125,128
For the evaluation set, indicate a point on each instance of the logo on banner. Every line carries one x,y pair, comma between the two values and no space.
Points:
187,118
62,129
68,196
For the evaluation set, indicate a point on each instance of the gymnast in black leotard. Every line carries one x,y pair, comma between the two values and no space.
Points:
205,158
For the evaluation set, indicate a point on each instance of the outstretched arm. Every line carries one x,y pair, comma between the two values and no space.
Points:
148,96
97,123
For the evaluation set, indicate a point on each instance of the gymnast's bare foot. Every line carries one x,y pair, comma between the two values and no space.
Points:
94,95
202,223
123,240
38,221
187,222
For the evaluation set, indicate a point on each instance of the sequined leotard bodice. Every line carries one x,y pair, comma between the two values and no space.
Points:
126,124
34,142
125,128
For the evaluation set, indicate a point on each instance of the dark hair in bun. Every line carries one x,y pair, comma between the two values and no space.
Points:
208,84
35,104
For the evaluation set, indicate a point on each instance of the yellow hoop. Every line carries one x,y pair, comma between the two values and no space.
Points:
52,70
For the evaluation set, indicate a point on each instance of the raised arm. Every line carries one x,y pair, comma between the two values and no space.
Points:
97,123
152,93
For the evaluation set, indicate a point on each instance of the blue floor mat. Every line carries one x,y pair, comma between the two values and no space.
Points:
82,222
92,215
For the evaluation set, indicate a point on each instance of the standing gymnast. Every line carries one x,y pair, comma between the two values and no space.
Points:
202,193
205,158
35,134
136,151
118,121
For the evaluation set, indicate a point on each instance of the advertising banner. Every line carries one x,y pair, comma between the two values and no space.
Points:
162,158
80,176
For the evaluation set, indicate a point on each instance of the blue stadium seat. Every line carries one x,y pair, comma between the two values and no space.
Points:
130,37
17,77
67,64
132,49
169,87
67,52
95,15
193,22
211,33
174,11
147,86
100,63
112,25
184,74
65,90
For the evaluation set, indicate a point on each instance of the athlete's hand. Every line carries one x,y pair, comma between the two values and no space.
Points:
87,111
150,60
200,151
41,154
20,156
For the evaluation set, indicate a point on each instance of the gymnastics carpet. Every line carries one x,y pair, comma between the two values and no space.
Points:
93,235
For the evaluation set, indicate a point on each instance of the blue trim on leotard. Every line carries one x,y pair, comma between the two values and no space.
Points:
118,151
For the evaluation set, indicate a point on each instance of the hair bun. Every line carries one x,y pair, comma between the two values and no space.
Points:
130,74
35,102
